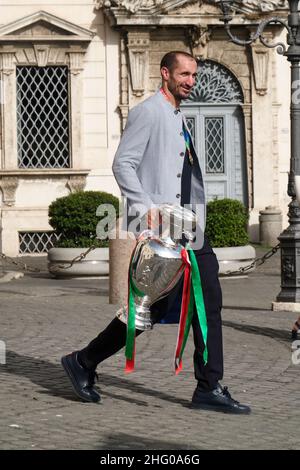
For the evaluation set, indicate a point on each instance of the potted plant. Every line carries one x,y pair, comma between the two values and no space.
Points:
75,218
226,228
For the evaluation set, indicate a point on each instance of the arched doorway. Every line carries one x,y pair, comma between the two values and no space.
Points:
215,119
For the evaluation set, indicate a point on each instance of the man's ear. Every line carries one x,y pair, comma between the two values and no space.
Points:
165,73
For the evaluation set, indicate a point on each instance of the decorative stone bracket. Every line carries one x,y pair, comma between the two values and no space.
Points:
9,185
261,60
76,183
42,54
138,49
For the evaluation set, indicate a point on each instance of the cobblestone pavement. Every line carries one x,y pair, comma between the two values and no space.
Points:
43,318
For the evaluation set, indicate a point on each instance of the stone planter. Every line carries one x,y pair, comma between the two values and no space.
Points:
234,257
96,262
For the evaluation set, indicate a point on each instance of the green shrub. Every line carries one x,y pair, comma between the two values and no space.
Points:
74,217
226,223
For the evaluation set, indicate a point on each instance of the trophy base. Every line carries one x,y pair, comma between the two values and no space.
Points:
143,320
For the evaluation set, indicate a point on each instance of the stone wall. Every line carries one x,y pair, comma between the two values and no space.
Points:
94,118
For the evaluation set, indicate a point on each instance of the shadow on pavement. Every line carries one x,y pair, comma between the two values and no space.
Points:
129,441
53,380
259,330
250,309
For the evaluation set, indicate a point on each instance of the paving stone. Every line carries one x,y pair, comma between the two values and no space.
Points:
43,318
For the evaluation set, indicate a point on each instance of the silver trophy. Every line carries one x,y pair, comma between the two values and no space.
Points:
156,265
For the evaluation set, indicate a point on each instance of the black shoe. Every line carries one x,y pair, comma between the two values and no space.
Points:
295,335
218,399
296,331
82,379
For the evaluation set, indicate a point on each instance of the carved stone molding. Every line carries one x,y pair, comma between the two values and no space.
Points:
8,62
198,38
138,50
263,5
43,27
131,6
9,185
41,55
261,61
76,183
134,7
42,38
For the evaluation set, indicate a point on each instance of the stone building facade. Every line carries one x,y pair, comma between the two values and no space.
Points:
70,73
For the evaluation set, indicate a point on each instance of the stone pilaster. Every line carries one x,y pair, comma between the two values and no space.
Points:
9,118
124,104
75,68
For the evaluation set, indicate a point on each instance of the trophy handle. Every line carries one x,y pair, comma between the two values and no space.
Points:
145,235
188,235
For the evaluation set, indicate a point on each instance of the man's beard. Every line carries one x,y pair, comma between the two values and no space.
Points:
178,93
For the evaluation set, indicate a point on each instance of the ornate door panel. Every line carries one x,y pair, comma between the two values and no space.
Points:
218,138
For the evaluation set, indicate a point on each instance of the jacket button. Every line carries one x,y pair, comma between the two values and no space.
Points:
176,111
179,175
181,133
181,154
178,196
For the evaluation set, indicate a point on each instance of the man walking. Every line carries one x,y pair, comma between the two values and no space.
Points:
156,163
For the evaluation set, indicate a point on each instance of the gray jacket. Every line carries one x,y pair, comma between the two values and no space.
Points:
149,161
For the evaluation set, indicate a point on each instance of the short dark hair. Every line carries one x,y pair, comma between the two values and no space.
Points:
169,60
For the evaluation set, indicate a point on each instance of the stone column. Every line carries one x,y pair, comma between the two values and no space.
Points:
120,250
270,225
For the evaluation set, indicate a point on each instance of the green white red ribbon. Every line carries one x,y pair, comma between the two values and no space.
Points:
131,312
192,295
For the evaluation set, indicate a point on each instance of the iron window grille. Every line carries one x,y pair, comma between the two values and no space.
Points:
214,145
36,242
43,117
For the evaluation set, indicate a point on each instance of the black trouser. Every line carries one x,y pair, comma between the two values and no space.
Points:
113,337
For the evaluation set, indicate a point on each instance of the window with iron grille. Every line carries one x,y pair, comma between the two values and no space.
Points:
36,242
214,145
43,117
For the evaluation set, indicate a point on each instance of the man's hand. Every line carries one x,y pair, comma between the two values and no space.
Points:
154,218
